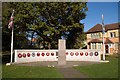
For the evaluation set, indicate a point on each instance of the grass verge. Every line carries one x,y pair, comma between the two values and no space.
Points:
30,72
102,70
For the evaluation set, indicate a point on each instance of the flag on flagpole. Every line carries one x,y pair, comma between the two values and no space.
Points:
10,25
103,28
102,19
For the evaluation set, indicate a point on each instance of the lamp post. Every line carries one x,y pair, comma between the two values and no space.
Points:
103,32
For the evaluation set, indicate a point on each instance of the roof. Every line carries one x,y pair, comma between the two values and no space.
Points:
98,28
112,26
108,41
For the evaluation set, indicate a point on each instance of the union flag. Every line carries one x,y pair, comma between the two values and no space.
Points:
10,25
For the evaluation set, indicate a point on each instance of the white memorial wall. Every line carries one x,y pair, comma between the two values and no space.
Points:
22,56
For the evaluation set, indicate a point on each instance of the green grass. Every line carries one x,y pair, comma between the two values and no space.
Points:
102,70
14,71
30,72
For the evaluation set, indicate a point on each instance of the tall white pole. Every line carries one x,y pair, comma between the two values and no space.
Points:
12,40
12,46
103,32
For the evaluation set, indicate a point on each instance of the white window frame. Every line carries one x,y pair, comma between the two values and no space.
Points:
116,44
93,45
112,34
95,35
110,45
99,45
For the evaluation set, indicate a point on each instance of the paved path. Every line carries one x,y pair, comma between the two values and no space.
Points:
70,72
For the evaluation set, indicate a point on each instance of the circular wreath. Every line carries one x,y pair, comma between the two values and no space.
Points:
38,54
66,53
81,53
86,53
96,53
24,55
76,53
71,53
28,54
33,54
91,53
47,54
20,55
52,54
43,54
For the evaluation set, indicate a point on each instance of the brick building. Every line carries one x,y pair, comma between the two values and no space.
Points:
111,38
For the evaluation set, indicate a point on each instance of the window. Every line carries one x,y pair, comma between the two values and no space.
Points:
95,35
99,46
110,45
116,45
112,34
93,45
92,35
98,35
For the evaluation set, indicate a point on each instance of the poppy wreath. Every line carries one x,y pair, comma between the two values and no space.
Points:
47,54
38,54
91,53
71,53
33,54
81,53
96,53
86,53
24,55
76,53
66,53
43,54
20,55
52,54
28,54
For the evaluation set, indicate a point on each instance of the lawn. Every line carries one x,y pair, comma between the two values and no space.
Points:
102,70
14,71
30,72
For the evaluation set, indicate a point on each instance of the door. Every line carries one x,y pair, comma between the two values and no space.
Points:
106,49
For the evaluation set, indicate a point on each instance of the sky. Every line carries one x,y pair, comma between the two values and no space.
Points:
95,11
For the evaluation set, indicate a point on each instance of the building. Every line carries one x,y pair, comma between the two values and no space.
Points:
111,38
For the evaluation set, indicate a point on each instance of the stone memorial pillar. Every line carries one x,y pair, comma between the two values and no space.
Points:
61,52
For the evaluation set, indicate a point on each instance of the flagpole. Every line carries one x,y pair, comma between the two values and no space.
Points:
12,46
12,41
103,37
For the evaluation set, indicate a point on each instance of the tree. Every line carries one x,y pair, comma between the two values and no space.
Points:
20,39
50,21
